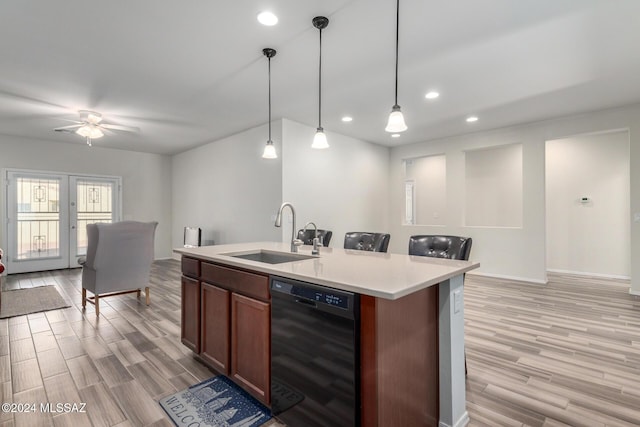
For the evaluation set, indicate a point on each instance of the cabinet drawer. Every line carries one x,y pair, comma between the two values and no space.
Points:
242,282
190,267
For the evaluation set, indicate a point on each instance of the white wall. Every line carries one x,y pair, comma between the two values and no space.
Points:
146,178
520,252
493,187
228,189
592,237
343,188
429,175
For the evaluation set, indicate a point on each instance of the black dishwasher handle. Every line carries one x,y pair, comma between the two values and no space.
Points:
307,302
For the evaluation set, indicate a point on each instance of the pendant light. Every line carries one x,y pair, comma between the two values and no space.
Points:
320,139
269,149
396,119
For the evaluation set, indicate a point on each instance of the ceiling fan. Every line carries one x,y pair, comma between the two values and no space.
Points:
91,127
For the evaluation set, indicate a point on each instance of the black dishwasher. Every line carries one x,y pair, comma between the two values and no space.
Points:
315,369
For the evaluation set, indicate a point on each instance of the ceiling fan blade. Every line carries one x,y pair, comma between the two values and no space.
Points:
70,128
120,127
30,99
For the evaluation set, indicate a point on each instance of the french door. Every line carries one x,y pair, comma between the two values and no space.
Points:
47,215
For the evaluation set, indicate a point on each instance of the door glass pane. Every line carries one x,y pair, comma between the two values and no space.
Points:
38,218
94,204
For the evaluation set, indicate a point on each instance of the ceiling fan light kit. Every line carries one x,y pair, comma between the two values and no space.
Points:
91,127
90,131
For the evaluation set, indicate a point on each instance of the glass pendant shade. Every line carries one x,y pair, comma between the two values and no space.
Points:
396,121
320,140
90,131
269,151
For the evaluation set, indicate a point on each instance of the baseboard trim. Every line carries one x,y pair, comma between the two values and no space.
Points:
587,274
635,293
502,276
462,422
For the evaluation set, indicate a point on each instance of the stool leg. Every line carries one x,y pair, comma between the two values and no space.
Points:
97,301
146,292
84,298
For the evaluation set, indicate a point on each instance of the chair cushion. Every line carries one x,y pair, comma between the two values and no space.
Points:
308,235
451,247
364,241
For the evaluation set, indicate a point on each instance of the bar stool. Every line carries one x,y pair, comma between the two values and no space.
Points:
366,241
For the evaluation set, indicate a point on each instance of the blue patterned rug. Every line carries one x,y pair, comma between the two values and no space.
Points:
216,402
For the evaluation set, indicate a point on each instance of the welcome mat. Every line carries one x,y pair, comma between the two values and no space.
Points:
30,300
216,402
283,397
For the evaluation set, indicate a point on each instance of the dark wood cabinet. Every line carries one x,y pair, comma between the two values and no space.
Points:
190,313
215,328
251,345
226,319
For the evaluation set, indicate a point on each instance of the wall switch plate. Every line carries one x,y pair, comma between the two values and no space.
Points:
457,301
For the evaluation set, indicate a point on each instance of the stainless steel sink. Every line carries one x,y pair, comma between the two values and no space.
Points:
269,257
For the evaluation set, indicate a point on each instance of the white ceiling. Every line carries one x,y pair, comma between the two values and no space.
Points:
192,71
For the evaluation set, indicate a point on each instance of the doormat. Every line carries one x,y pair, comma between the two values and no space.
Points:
30,300
283,397
216,402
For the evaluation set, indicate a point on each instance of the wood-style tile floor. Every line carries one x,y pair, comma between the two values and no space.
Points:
119,364
567,353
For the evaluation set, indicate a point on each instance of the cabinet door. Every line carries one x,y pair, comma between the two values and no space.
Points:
214,334
251,345
190,316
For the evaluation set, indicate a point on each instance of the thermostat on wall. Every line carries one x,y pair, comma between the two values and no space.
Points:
585,200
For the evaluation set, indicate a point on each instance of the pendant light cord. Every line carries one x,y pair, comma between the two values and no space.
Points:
269,99
320,84
397,36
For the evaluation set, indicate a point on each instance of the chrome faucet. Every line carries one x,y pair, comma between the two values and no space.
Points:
316,241
294,242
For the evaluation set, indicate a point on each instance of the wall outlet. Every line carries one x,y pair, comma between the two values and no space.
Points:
636,217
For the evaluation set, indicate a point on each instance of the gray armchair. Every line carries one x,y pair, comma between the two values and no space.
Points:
118,261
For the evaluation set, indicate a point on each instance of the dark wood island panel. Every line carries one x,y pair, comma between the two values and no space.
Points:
399,360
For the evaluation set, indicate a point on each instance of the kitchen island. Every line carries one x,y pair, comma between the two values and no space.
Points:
411,323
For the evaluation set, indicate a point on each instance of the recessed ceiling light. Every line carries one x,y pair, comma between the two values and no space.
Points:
432,95
395,135
347,119
267,18
472,119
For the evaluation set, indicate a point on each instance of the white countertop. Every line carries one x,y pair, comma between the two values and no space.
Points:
383,275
